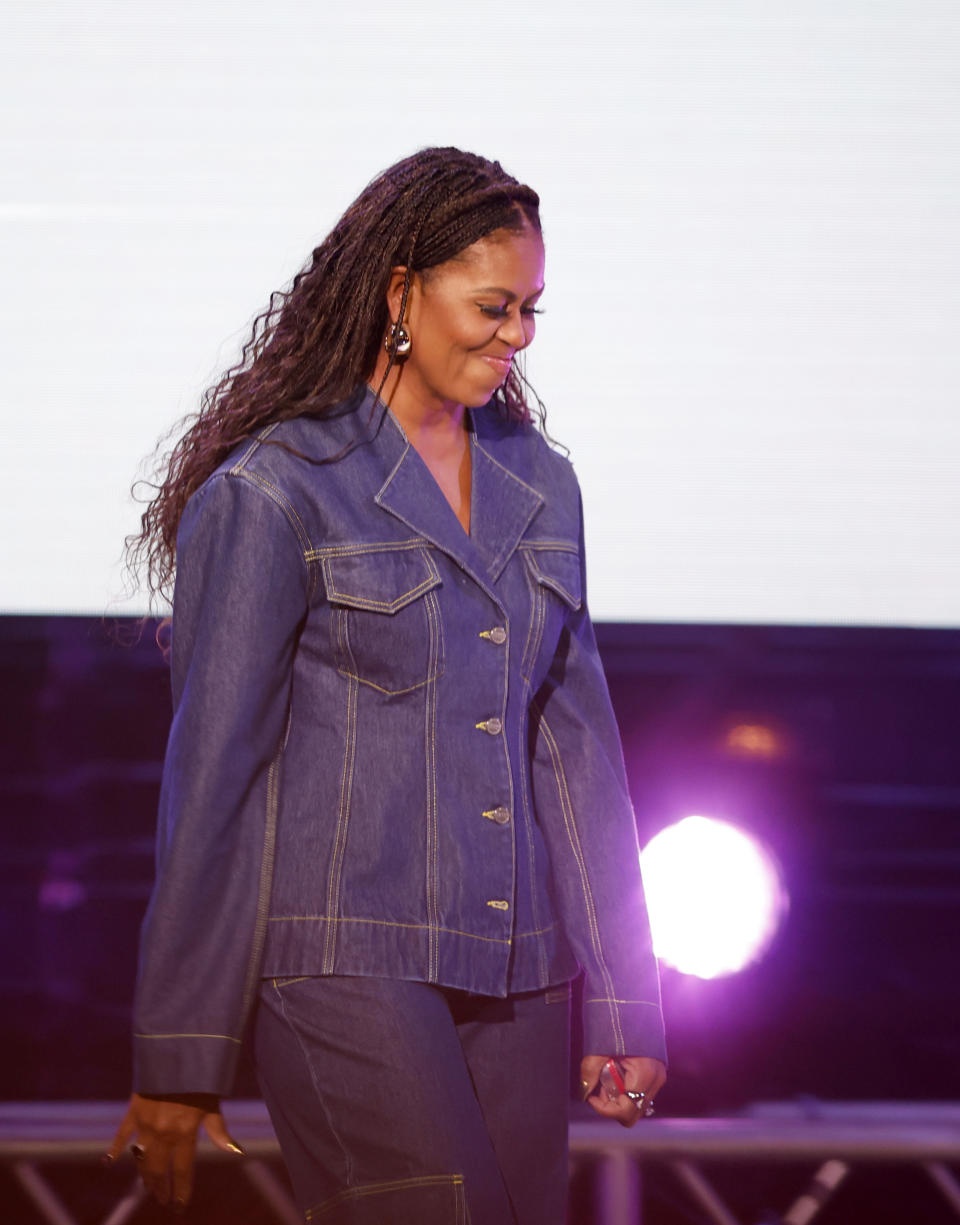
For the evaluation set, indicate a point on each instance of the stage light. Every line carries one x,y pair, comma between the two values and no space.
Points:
715,896
757,740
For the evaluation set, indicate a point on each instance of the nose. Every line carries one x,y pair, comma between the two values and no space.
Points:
515,330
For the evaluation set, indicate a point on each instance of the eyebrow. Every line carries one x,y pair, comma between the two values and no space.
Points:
506,293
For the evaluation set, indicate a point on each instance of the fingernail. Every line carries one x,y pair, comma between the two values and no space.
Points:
235,1148
107,1159
179,1206
584,1090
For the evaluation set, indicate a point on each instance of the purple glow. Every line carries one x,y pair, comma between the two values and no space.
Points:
715,896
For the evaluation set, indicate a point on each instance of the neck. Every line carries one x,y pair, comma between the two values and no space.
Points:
422,417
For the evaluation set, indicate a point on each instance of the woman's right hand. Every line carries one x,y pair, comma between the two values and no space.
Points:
166,1131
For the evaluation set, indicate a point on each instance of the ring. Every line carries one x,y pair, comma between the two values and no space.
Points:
138,1151
640,1101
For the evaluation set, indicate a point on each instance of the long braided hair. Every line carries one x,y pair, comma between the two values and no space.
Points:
319,339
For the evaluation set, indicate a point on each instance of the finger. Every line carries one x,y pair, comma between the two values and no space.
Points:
216,1129
590,1067
647,1076
124,1132
181,1168
622,1109
154,1169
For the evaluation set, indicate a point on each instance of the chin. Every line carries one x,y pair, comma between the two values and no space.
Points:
479,400
484,393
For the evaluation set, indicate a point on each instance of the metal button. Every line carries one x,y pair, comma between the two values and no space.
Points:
499,814
493,727
498,635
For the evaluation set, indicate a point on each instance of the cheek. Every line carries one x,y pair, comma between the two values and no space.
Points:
471,336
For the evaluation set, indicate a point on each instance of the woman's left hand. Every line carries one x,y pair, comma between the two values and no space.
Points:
645,1075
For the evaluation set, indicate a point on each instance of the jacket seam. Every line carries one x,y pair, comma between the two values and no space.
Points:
530,651
532,645
602,999
378,546
319,918
548,580
430,766
537,931
343,817
255,445
368,603
266,879
221,1037
513,476
505,745
353,676
552,546
573,837
277,496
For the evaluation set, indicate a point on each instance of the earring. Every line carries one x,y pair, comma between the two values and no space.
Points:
398,342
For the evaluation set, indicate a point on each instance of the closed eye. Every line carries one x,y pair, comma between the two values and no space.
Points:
501,312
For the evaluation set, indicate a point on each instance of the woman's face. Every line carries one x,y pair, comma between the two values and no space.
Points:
469,316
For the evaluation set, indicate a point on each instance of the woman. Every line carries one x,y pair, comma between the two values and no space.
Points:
394,820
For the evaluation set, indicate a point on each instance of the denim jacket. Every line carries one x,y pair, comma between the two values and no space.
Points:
393,751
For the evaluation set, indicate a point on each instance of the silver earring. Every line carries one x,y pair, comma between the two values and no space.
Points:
398,342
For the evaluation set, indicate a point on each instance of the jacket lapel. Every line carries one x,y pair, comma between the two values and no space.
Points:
501,506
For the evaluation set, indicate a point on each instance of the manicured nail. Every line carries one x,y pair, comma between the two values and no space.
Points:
235,1148
107,1160
584,1090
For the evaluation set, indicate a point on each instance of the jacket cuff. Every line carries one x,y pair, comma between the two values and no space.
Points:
174,1064
623,1027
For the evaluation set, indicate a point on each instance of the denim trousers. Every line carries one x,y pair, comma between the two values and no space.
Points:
403,1103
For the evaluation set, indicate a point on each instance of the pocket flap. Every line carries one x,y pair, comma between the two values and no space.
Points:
379,580
558,569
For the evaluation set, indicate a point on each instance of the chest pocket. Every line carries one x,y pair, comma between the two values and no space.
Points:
385,624
557,569
558,591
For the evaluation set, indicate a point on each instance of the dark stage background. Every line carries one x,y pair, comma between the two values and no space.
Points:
857,998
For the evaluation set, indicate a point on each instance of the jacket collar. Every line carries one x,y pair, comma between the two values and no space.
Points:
502,504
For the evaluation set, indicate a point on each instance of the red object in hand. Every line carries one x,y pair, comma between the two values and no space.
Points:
612,1080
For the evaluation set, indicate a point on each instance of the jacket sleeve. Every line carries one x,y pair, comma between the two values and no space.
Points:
583,806
240,599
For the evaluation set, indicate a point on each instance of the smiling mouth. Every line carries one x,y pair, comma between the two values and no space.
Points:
502,364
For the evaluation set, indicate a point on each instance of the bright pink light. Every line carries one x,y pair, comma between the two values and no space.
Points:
714,894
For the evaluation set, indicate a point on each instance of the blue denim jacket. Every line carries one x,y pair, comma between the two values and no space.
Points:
392,751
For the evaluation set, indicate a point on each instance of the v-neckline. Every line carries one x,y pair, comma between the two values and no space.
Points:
467,455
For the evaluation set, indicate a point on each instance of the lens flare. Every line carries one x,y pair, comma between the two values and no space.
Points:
715,896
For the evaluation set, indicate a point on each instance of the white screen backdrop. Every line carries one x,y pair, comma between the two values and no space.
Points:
752,215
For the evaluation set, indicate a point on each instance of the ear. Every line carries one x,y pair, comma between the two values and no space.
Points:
395,292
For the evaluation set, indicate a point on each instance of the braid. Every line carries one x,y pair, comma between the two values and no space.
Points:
318,339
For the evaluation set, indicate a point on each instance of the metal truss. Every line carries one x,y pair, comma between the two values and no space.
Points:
830,1137
36,1136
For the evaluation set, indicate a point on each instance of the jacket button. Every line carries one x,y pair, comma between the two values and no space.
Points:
499,814
493,727
498,635
498,904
